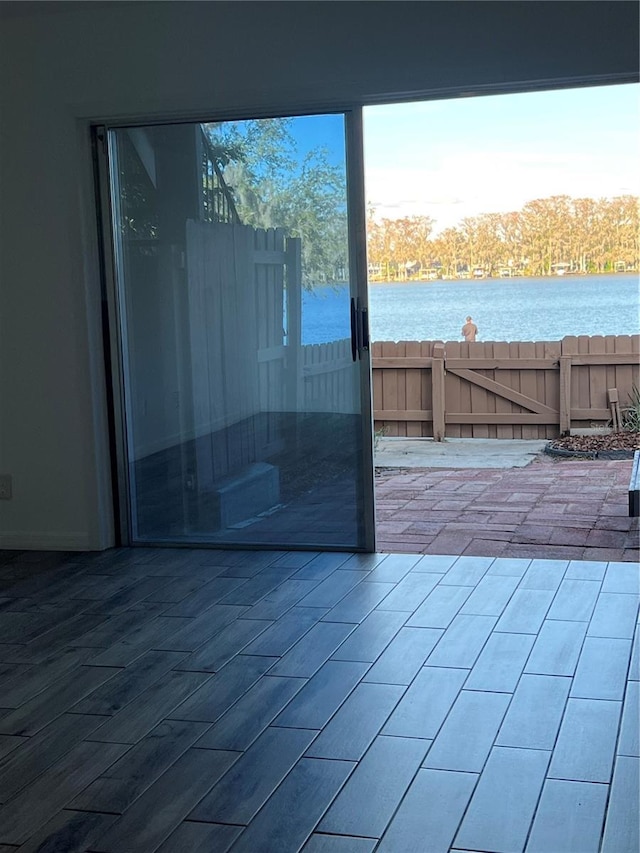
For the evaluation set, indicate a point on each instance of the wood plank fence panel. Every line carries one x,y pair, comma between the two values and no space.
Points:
453,392
504,389
413,380
597,376
582,375
390,397
479,396
502,406
552,351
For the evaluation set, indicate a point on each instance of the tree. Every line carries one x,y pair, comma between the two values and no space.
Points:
275,188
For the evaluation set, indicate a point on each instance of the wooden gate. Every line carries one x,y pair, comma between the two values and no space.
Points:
532,390
244,362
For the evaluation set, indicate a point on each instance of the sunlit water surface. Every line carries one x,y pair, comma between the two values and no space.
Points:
516,309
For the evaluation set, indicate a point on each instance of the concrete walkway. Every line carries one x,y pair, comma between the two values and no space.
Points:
455,453
551,508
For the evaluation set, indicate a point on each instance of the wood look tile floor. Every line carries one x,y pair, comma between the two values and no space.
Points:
199,700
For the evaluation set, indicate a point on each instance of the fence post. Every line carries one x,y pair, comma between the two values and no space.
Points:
293,296
565,394
437,385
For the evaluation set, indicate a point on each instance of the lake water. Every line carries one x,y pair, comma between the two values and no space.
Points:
516,309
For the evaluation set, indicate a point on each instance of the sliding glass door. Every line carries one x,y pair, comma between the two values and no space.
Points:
240,301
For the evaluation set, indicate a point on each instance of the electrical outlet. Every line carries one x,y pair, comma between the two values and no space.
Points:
5,487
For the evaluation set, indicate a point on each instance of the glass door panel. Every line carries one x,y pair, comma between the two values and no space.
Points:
246,385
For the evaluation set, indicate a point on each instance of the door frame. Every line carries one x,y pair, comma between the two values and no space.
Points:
105,167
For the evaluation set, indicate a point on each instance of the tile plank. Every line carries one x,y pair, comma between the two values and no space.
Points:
491,595
629,742
544,574
205,597
69,831
244,789
323,694
504,801
255,589
372,793
119,786
252,713
358,603
357,723
400,662
586,743
462,642
150,707
152,634
622,826
283,634
25,813
292,812
467,735
586,570
200,629
57,699
615,615
424,706
622,577
501,663
575,600
117,692
569,818
310,653
557,648
192,837
440,607
333,589
217,694
163,806
447,795
410,592
602,669
534,716
467,571
371,637
275,604
43,750
23,686
512,566
225,645
526,611
319,843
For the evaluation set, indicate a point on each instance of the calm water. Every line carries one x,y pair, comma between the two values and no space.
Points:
517,309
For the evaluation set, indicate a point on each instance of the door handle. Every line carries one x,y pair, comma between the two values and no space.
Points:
354,330
364,328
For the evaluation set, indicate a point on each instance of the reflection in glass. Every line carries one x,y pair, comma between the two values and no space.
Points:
238,430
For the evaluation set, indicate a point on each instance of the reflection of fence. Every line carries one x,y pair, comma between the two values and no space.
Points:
238,281
501,389
328,377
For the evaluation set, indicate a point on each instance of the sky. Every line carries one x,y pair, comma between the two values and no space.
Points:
454,158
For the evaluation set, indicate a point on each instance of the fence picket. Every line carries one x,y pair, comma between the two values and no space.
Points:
557,394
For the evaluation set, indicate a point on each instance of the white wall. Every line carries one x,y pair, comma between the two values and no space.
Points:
59,70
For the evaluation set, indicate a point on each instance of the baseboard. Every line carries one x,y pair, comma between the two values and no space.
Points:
41,541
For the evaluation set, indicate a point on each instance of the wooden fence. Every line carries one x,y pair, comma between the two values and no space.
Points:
533,390
328,378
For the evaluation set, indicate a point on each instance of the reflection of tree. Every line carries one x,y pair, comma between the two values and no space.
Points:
136,193
274,188
559,232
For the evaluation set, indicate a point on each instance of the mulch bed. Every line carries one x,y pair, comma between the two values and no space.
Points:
613,445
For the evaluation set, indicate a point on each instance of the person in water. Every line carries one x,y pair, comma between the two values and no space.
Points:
469,330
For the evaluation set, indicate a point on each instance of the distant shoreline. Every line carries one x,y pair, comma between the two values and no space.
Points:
392,282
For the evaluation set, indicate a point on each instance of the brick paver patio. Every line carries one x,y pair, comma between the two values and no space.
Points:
554,509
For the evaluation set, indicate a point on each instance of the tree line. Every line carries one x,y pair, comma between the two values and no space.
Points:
551,235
